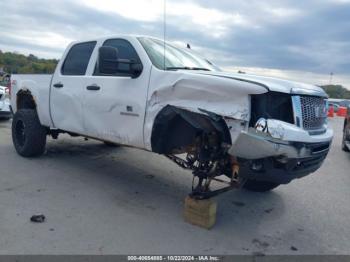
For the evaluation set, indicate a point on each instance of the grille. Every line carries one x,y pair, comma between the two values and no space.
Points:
314,112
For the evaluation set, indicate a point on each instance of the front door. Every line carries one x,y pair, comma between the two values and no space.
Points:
114,105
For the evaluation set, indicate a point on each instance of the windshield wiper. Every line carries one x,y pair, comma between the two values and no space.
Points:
186,68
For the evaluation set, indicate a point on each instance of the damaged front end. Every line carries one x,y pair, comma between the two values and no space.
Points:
197,142
237,132
288,138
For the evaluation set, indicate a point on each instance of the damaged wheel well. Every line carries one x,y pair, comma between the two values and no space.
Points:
175,129
25,100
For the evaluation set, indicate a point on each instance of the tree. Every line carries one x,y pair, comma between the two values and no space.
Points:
336,91
31,64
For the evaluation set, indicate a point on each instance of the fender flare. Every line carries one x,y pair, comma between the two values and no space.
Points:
28,87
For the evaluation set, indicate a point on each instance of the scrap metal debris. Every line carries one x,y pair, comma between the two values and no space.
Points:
40,218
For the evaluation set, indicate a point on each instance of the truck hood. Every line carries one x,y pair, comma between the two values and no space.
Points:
225,94
271,83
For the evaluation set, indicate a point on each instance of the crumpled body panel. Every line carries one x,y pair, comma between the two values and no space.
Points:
197,93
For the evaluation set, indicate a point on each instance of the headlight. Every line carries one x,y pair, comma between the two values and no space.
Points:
261,125
272,127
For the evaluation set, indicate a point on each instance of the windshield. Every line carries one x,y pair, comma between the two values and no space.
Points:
175,58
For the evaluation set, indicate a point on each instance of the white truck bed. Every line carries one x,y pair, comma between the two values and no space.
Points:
39,84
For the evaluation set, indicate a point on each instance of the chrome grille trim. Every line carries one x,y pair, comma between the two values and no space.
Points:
310,113
298,117
314,112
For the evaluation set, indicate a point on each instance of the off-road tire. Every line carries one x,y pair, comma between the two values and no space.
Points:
28,135
259,186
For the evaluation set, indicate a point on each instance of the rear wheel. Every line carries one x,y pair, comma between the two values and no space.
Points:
259,186
28,135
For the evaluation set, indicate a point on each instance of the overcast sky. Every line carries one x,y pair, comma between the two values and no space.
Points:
301,40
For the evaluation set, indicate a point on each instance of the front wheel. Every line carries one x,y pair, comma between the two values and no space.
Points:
259,186
28,135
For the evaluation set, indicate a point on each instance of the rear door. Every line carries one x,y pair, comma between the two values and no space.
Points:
114,105
67,88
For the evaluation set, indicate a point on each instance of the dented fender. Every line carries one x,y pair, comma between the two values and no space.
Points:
199,94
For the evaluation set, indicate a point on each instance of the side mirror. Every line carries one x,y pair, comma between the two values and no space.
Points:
109,63
108,60
136,69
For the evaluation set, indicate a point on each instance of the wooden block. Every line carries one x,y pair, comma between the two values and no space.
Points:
200,212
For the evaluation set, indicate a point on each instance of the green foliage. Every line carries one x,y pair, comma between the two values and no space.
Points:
336,91
15,63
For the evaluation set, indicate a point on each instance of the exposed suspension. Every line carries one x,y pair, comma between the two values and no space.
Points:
208,160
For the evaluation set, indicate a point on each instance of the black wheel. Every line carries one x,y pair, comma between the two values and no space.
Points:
28,135
259,186
110,144
343,146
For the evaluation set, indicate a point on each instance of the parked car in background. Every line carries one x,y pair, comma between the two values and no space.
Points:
5,111
337,102
345,103
346,132
335,107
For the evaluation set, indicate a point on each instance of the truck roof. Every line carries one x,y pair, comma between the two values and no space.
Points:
126,36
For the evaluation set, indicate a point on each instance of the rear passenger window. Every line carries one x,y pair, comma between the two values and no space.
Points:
78,58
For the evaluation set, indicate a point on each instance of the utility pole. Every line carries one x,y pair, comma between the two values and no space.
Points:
331,78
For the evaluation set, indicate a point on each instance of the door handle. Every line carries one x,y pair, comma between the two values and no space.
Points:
93,87
58,85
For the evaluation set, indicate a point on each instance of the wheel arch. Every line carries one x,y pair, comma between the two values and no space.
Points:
175,127
29,97
25,100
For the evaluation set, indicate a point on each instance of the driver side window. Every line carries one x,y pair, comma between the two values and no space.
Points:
125,51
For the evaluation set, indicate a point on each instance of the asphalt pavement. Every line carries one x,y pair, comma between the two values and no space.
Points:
102,200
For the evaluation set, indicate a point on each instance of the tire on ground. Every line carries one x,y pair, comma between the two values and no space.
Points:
28,135
259,186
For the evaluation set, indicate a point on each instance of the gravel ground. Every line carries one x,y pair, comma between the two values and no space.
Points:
101,200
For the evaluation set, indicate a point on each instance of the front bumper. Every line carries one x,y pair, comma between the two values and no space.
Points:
278,139
280,154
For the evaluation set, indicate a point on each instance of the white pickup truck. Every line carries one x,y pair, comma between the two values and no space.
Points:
258,132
